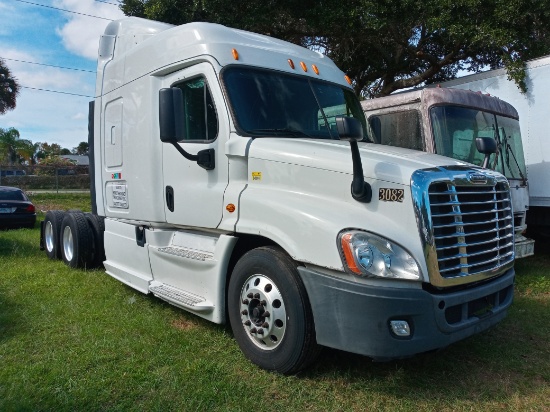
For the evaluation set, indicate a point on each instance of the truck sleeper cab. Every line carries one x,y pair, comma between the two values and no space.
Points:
225,182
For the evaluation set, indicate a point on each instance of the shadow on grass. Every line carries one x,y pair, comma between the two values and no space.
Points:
10,317
511,358
19,242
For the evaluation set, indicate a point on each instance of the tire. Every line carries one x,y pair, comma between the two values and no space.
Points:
52,233
270,313
96,224
76,241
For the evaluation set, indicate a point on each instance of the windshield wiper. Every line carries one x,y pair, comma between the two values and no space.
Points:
509,151
281,132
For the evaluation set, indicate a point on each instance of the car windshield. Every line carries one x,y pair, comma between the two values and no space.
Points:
12,195
456,128
269,103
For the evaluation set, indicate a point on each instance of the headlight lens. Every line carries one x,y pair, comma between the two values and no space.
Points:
366,254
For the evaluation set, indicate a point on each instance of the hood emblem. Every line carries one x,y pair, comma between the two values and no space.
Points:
477,178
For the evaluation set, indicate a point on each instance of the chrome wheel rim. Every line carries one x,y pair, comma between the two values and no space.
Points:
68,243
263,312
48,236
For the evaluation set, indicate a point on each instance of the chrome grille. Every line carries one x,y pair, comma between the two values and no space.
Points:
472,228
467,226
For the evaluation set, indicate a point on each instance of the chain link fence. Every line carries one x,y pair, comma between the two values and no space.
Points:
38,177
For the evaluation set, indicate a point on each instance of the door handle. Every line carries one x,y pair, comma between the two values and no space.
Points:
170,198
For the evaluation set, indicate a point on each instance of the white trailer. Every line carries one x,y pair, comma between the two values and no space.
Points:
226,189
535,123
448,122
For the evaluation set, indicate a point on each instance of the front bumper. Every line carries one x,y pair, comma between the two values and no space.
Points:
356,317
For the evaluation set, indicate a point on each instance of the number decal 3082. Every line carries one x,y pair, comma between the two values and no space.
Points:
391,195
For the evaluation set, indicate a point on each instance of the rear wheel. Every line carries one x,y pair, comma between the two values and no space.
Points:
270,313
51,233
96,224
76,241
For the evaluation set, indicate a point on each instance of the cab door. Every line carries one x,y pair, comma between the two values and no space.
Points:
194,195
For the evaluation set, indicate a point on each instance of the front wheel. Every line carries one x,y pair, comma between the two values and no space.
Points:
270,313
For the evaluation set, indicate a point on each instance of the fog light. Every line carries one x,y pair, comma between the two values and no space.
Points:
400,328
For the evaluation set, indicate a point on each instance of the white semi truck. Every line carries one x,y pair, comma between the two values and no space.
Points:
448,122
224,185
535,123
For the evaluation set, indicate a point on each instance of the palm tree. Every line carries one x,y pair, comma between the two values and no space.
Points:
26,151
13,149
9,89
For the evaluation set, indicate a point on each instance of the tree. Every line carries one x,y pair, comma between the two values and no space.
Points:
46,150
82,149
13,149
385,45
51,165
9,88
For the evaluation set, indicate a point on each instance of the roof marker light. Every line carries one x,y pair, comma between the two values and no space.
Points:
347,79
304,67
235,54
315,69
291,63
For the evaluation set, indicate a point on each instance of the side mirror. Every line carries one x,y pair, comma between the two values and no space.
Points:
172,127
486,146
171,115
349,128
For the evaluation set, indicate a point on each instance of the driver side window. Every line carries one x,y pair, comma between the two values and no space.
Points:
201,121
399,129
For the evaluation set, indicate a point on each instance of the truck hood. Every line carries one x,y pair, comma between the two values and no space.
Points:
386,163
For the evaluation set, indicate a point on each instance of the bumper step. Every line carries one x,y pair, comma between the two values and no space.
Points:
524,246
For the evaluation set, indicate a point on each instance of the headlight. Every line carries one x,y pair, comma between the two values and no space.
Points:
366,254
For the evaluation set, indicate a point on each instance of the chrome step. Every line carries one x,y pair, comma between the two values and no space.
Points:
180,297
186,253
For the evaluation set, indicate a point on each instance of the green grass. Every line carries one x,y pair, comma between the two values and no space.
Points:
80,340
59,201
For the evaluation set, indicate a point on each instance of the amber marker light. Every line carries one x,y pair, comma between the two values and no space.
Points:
230,208
304,67
315,69
348,79
348,254
235,54
291,63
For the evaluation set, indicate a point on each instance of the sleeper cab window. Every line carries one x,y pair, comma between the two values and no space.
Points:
201,121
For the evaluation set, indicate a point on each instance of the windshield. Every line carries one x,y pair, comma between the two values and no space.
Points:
456,128
269,103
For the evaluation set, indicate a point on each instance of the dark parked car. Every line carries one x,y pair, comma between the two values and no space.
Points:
16,210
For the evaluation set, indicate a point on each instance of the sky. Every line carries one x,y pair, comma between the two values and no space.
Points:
33,33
